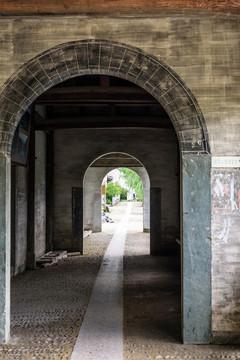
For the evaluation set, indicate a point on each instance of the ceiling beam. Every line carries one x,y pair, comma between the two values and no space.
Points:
96,95
103,122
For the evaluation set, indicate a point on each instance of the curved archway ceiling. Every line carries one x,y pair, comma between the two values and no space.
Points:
94,101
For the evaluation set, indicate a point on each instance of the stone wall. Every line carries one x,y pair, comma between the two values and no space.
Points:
204,51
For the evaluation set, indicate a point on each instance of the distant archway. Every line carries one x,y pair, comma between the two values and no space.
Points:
92,191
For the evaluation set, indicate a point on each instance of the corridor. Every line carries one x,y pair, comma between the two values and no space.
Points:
49,304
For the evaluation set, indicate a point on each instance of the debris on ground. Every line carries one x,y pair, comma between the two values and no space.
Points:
51,258
75,253
106,218
87,233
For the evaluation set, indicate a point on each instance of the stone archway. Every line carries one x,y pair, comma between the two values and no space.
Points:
93,178
103,57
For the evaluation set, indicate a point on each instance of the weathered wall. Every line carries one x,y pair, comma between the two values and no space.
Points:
208,46
156,149
40,194
226,253
205,53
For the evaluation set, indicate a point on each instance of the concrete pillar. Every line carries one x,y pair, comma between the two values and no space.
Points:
146,209
49,190
31,255
142,172
92,198
155,221
77,219
196,249
5,241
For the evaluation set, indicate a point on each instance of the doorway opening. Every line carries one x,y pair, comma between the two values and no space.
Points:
178,102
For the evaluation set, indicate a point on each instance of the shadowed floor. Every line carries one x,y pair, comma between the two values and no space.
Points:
48,305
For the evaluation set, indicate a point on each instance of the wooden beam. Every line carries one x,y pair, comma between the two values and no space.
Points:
104,81
41,7
103,122
95,94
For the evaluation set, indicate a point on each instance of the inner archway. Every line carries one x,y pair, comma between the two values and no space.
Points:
102,57
92,188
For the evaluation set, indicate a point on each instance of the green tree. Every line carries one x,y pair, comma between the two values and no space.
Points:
113,189
123,194
133,181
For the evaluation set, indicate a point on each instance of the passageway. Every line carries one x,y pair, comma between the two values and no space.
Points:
101,333
48,305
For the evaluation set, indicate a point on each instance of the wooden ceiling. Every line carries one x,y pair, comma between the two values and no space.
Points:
68,7
98,102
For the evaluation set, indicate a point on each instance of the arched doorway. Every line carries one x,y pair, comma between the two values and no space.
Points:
103,57
92,188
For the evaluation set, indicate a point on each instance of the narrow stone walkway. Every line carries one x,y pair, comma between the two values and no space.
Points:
48,305
101,333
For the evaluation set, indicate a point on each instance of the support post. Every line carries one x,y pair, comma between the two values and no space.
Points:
13,218
5,241
146,208
31,256
196,249
49,191
155,221
77,219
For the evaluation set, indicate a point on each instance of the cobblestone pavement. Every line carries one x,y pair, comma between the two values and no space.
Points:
48,305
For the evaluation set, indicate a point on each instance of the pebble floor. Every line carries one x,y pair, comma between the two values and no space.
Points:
48,305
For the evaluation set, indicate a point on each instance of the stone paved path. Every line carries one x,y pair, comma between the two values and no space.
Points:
48,305
101,333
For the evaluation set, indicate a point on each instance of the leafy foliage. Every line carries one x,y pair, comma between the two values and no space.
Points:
113,189
133,181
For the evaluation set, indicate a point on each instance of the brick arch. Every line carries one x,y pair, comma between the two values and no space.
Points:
73,59
103,57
